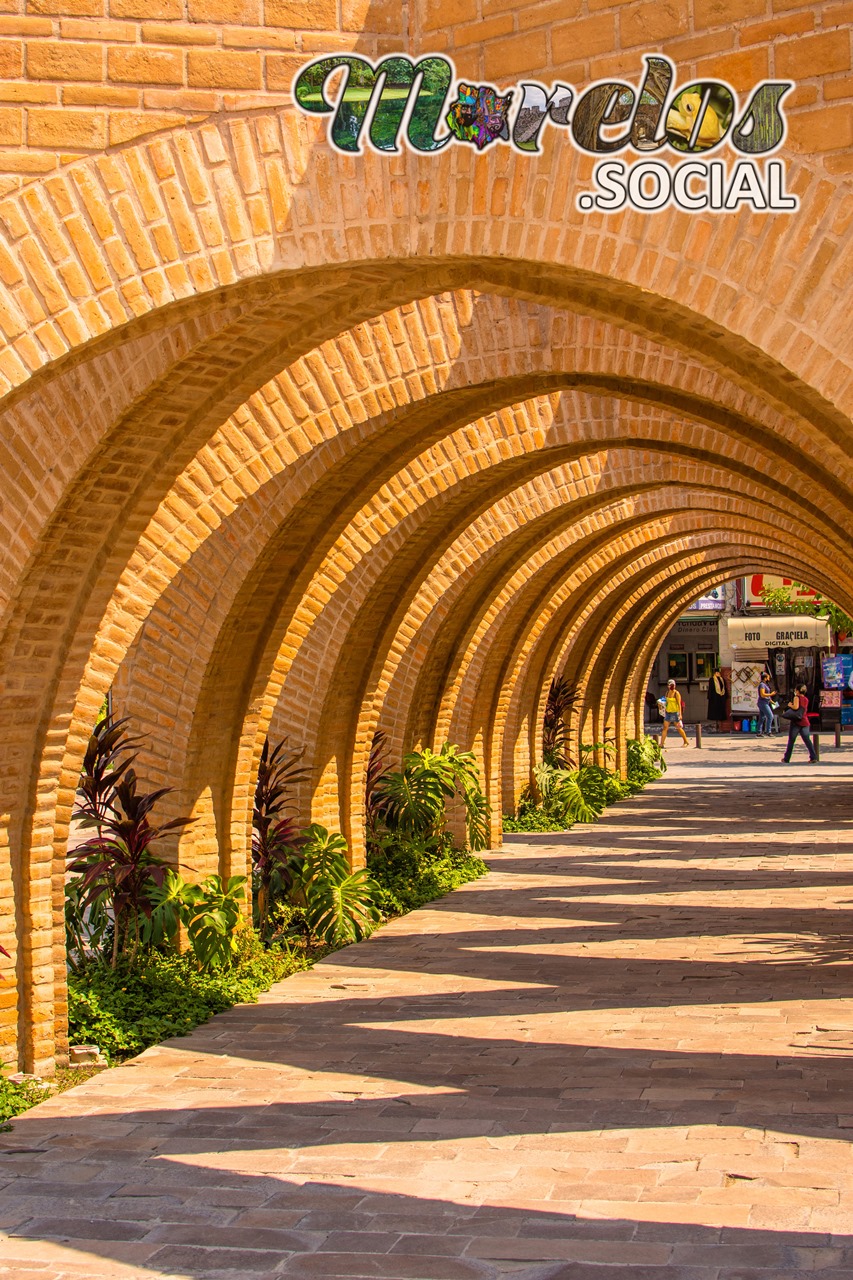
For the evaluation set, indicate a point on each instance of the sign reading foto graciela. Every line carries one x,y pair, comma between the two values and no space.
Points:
426,105
779,633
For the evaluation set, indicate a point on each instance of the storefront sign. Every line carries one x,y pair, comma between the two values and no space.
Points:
779,633
398,98
757,582
713,602
707,628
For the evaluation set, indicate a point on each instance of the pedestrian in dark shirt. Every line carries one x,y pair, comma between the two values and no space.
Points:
765,705
800,728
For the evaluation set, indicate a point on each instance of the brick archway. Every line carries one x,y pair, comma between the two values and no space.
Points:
247,380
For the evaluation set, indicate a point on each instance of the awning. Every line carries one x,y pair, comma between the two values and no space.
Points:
779,633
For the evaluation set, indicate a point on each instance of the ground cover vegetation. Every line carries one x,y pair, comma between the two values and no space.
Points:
152,954
562,790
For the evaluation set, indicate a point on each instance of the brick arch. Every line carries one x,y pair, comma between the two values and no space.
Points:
523,584
472,711
197,492
631,675
832,584
252,295
365,625
774,554
408,552
220,206
622,432
488,568
91,708
571,633
93,695
150,288
613,650
653,536
129,529
781,560
158,640
164,412
602,708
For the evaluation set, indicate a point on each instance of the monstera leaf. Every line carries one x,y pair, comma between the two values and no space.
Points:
412,800
579,804
211,913
340,905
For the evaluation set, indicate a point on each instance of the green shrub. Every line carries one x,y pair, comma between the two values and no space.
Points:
645,761
412,803
532,818
126,1009
600,787
410,855
411,872
15,1098
557,797
211,913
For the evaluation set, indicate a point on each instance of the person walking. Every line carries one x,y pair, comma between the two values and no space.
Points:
766,724
800,728
673,713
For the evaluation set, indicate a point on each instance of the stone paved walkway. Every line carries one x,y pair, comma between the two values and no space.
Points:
627,1052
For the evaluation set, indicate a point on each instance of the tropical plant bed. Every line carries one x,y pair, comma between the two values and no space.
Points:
559,796
409,876
129,1008
131,986
125,1009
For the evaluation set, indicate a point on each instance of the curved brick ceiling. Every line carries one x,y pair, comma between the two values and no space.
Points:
299,445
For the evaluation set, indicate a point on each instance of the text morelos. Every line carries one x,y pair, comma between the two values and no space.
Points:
398,100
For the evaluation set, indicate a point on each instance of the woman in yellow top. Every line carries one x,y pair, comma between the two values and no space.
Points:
673,713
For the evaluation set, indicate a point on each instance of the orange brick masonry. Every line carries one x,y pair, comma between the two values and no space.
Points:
625,1052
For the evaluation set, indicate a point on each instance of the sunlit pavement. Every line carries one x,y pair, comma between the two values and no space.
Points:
627,1051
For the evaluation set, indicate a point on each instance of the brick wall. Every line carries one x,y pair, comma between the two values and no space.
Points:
81,76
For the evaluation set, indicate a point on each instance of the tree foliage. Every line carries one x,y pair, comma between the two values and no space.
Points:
815,606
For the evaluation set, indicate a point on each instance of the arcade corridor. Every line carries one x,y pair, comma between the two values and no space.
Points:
625,1052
